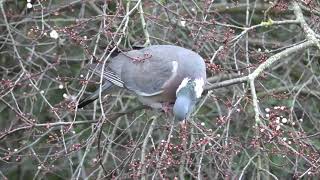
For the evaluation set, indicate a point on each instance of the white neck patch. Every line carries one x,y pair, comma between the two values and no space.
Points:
183,84
198,88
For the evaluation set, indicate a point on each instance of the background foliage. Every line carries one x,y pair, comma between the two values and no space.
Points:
258,119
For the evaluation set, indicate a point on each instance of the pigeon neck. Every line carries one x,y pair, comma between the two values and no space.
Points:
192,88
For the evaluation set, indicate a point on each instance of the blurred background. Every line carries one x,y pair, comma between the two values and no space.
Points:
46,44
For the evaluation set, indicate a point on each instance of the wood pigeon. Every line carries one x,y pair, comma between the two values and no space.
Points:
157,74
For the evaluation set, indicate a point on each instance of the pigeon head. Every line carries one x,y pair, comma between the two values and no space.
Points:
188,93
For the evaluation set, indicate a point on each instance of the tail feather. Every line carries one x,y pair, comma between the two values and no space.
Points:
107,74
95,95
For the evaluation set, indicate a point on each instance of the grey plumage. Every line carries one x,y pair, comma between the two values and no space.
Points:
153,73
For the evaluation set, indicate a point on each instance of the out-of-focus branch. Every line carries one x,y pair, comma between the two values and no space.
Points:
144,25
254,101
262,66
258,7
278,56
48,125
142,167
310,34
227,83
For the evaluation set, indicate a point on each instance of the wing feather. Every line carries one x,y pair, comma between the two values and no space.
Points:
146,78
